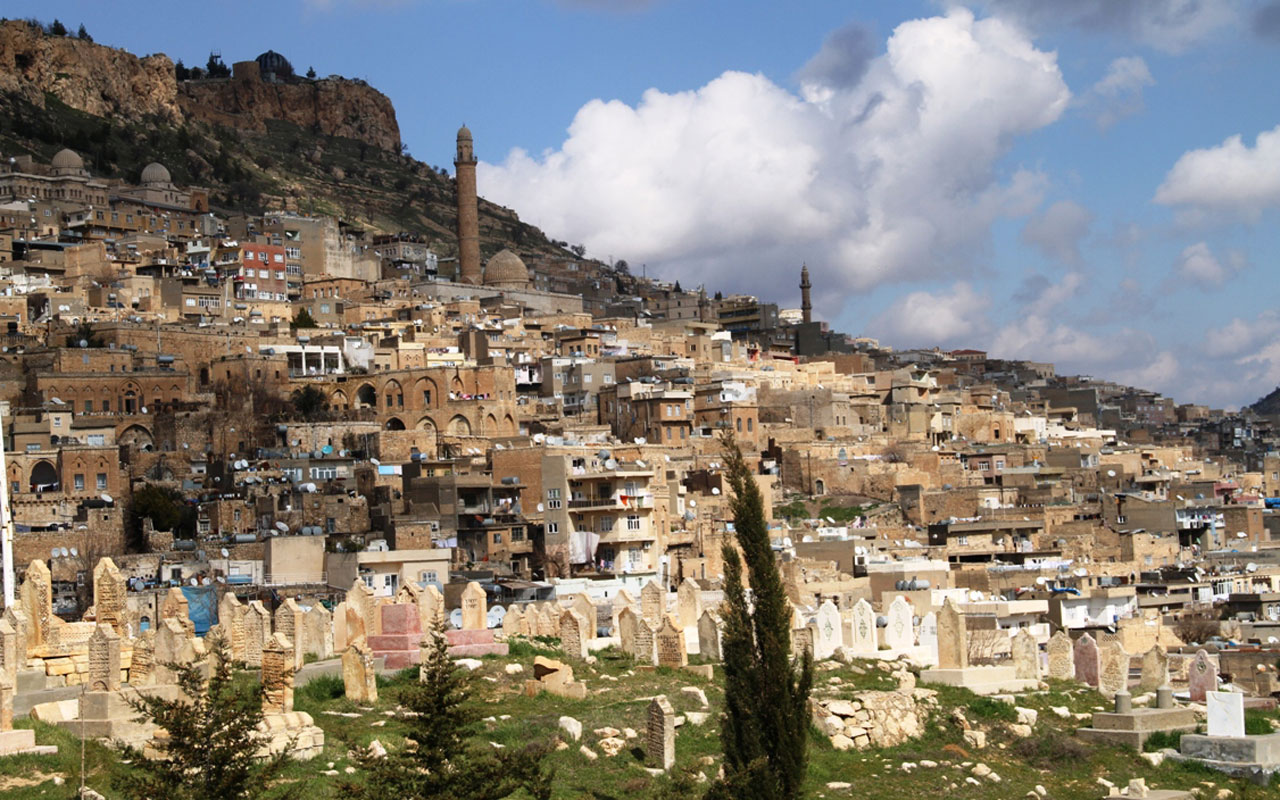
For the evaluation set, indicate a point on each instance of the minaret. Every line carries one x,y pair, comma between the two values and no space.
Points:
806,307
468,210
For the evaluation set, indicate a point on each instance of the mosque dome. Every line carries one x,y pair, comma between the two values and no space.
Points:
464,133
67,159
155,174
506,271
272,63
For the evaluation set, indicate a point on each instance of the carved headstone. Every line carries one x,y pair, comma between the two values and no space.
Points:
709,636
432,607
548,623
318,631
573,635
1114,674
1155,669
953,638
172,649
231,621
653,603
475,608
513,623
361,606
827,636
277,675
340,634
1062,657
1086,660
660,736
587,609
257,630
1225,713
688,603
621,600
21,624
1202,677
1026,655
862,628
104,659
8,652
927,635
899,633
6,704
175,607
289,621
109,592
359,678
35,595
670,644
142,662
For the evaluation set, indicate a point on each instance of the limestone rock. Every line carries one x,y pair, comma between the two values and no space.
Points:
572,727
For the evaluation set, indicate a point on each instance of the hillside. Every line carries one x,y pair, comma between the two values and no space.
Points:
1269,404
319,146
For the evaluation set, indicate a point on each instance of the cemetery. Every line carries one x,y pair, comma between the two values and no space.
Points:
627,695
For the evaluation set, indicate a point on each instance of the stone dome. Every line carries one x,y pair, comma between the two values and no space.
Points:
272,63
506,271
464,133
67,159
155,174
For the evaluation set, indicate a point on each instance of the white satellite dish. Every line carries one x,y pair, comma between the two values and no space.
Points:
455,618
53,553
204,581
611,464
192,581
144,410
374,461
1041,581
540,507
1241,535
282,527
1111,473
1080,572
693,504
640,464
226,553
715,490
106,498
65,552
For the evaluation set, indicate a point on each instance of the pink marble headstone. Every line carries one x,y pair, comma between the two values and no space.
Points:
399,619
1087,660
1202,677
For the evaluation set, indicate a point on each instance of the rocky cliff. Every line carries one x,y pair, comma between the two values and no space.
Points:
108,82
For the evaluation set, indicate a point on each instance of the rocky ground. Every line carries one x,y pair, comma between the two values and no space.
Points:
876,734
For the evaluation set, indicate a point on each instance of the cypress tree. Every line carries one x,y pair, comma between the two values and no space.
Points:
765,725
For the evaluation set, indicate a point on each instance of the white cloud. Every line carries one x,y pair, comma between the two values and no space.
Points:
1199,265
1058,231
1168,25
1118,94
891,179
1231,178
1240,335
926,319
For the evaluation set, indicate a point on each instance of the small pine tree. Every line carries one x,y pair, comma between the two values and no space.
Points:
212,747
765,726
311,73
440,760
180,71
83,34
56,28
304,320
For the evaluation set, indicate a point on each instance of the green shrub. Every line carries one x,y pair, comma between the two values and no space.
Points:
322,689
993,710
1257,723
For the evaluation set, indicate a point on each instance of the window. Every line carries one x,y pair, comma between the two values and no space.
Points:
57,421
79,480
428,576
102,481
517,534
96,439
553,527
633,522
330,525
750,424
497,538
738,424
88,406
426,397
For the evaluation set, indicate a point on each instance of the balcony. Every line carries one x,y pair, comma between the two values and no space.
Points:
615,502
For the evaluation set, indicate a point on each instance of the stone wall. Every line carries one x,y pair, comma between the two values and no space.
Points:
874,719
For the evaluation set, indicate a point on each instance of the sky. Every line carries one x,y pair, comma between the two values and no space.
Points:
1093,183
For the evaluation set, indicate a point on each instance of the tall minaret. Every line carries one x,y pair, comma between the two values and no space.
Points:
468,210
806,307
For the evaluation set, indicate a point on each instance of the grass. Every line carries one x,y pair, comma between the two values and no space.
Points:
619,695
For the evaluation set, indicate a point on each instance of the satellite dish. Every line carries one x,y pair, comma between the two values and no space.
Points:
540,507
374,461
494,618
1080,572
715,490
693,504
144,410
204,581
65,552
611,464
282,527
75,552
53,553
455,619
1041,581
226,553
1241,535
106,498
1111,473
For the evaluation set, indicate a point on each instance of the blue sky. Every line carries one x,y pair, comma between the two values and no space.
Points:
1053,181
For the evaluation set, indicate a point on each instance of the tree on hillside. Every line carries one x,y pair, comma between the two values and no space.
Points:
180,71
309,403
441,758
56,28
215,68
765,724
83,34
211,752
165,507
311,73
303,319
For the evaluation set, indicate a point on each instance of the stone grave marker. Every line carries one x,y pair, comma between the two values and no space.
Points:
1062,657
1087,660
669,642
1026,655
359,678
653,603
928,634
899,633
862,628
1155,669
277,675
688,603
175,607
1114,674
257,629
317,636
475,608
231,622
104,659
1202,677
583,604
660,738
827,637
1226,713
109,593
953,639
573,635
35,596
289,621
709,636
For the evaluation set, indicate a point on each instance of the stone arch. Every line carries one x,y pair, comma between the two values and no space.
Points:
426,424
44,474
460,426
426,392
393,394
137,436
395,424
366,396
339,400
508,426
456,385
490,425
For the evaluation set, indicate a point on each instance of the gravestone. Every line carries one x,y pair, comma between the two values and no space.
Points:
1086,660
104,659
899,633
1202,677
21,623
433,607
802,641
257,629
621,600
583,604
172,649
573,635
660,736
653,603
625,629
8,652
231,621
1114,673
1155,669
669,642
409,594
289,621
1026,655
109,593
277,675
359,678
548,624
688,603
827,637
1226,713
142,662
953,639
175,607
1062,657
341,637
361,611
35,596
862,628
318,631
928,635
513,623
636,636
475,608
709,636
354,623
